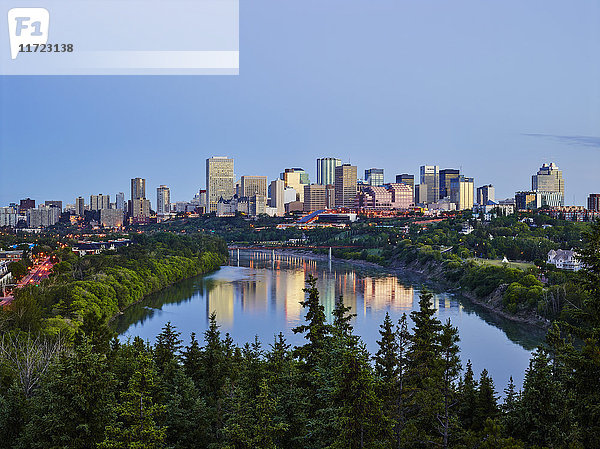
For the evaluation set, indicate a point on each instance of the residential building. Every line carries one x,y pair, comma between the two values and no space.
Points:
25,205
430,176
315,197
593,202
99,202
326,170
8,216
549,179
120,201
138,188
485,194
461,192
140,209
220,182
79,206
111,218
345,185
374,176
54,203
42,216
564,259
446,177
163,200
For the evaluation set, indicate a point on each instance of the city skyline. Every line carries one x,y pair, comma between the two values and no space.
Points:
474,87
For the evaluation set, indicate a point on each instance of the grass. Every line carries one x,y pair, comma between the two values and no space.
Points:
498,263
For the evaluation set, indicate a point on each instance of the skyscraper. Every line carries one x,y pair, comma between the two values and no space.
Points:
549,179
407,179
461,192
593,202
99,202
120,201
253,185
326,170
374,176
315,197
446,176
79,206
485,194
345,185
430,176
220,181
277,196
296,178
163,200
138,188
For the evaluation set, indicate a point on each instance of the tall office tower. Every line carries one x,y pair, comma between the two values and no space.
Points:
315,197
25,205
296,178
253,185
326,170
446,176
407,179
345,185
330,196
220,182
528,200
99,202
57,204
120,201
163,200
549,179
79,206
374,176
138,188
430,176
420,194
461,192
593,202
277,196
485,194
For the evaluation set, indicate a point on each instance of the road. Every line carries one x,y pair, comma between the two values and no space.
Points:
35,276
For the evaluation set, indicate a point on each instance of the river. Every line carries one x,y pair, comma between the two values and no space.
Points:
259,294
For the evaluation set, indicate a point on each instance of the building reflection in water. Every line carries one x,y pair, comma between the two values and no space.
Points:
220,298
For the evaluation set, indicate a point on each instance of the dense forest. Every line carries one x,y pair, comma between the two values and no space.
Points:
328,392
102,285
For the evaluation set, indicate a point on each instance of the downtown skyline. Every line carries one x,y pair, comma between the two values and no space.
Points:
488,89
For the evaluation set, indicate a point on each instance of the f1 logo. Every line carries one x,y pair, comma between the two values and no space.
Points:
27,26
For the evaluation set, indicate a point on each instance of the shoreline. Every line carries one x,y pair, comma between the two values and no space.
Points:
401,268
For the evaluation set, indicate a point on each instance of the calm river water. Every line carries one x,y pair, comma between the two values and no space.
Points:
259,295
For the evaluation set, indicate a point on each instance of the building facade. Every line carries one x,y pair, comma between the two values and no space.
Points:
593,202
315,197
253,185
461,192
549,179
374,176
163,200
485,194
220,181
99,202
138,188
326,170
277,200
430,176
446,177
345,185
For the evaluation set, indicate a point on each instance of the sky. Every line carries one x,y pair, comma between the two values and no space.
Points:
493,88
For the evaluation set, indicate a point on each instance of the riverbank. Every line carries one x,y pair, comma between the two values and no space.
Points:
433,273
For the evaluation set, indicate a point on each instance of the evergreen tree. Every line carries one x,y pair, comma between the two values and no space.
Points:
468,398
486,404
167,348
192,360
450,371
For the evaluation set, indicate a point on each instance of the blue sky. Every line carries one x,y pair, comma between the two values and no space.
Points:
493,88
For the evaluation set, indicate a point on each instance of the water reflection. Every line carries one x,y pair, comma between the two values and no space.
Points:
259,293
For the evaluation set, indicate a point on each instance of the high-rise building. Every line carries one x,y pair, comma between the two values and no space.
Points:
593,202
140,209
8,216
220,182
99,202
407,179
253,185
420,194
527,200
120,201
461,192
111,218
25,205
55,203
330,196
296,178
430,176
485,194
42,216
277,196
163,200
315,197
79,206
446,177
345,185
326,170
138,188
549,179
374,176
